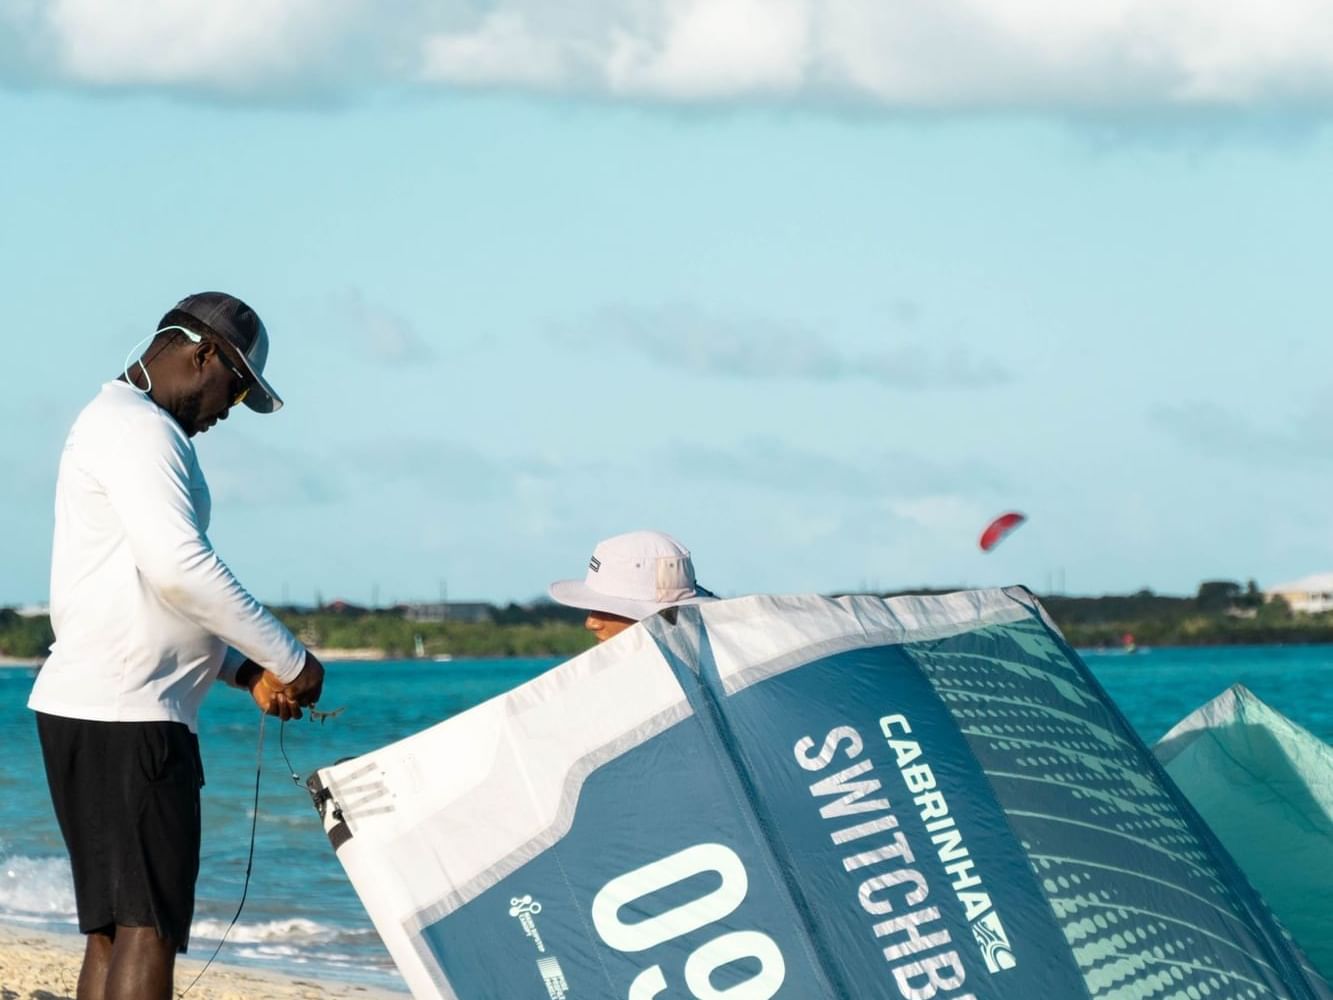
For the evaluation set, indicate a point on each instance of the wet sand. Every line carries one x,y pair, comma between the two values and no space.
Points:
35,965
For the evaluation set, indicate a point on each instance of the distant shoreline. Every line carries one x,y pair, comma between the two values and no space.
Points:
363,653
1221,615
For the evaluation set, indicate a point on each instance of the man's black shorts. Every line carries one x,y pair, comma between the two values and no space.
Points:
126,796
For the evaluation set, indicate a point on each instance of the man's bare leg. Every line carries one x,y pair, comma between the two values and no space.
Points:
141,966
96,962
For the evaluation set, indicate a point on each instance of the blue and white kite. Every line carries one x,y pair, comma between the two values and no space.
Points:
803,798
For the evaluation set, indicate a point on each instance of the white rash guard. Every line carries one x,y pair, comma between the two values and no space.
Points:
146,616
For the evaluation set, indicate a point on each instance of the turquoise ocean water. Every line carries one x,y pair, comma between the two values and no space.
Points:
302,915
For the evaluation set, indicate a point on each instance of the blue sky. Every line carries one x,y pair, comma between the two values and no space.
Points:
818,325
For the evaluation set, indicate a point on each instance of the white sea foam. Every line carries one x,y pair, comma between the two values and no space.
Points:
300,942
41,891
296,932
36,889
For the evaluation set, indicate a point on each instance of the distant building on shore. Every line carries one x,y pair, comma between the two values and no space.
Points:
1310,595
343,608
450,611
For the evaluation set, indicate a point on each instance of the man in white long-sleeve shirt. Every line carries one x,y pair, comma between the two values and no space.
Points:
146,618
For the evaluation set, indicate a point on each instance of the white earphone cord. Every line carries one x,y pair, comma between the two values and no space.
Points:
130,363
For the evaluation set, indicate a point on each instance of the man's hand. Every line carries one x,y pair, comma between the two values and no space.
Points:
269,694
309,683
285,700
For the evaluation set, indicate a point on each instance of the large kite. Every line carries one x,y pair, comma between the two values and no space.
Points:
805,799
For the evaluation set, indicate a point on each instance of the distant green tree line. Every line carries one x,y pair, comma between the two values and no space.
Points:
24,636
394,635
1222,612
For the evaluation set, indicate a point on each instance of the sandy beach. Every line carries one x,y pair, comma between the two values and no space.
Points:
42,966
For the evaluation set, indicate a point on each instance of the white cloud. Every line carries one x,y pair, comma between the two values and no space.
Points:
1301,440
699,49
901,54
690,339
504,49
237,48
942,514
379,332
773,465
244,470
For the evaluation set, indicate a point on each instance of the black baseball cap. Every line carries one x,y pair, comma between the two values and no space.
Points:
228,318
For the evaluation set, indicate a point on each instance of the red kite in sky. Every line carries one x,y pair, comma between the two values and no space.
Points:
999,528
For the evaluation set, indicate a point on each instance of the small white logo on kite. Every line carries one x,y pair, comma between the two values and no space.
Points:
524,909
554,978
994,941
520,905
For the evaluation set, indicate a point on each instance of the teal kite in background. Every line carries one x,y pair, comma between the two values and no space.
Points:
1265,786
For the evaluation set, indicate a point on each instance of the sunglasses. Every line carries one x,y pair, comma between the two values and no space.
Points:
241,379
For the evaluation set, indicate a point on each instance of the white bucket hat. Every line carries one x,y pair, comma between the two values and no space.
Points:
634,575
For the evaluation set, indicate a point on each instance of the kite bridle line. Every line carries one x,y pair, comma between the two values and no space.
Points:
249,859
254,825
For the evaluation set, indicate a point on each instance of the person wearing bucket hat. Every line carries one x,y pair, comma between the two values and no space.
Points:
631,577
146,617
